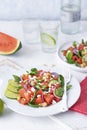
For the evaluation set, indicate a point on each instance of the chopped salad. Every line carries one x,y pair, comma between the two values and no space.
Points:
76,54
36,88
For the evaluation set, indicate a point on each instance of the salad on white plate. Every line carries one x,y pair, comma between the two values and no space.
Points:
38,91
37,88
74,55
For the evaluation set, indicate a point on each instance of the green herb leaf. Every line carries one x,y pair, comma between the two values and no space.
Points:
59,92
33,98
61,80
70,61
19,87
33,71
75,44
83,41
76,64
68,86
33,105
86,43
79,53
16,78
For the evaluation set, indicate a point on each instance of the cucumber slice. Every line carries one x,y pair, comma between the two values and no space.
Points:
48,39
69,55
53,82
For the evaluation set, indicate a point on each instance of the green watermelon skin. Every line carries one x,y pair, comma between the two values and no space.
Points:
20,46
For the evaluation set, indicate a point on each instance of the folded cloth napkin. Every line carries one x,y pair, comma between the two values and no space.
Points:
81,104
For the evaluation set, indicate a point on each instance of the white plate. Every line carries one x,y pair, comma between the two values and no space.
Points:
63,59
73,95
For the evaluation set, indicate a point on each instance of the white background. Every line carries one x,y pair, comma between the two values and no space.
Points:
39,9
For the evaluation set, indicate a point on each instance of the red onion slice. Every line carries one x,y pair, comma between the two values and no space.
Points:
75,51
25,87
54,74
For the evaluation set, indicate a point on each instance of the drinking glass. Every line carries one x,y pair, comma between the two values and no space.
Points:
31,31
49,36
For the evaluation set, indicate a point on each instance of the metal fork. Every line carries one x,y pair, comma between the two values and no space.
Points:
67,78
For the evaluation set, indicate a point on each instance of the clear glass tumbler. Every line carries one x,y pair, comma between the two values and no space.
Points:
31,31
70,16
49,36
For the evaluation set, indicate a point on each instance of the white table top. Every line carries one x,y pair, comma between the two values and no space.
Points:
30,55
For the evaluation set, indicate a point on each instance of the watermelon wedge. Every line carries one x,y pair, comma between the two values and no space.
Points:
8,44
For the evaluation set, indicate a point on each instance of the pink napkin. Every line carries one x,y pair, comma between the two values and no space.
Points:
81,104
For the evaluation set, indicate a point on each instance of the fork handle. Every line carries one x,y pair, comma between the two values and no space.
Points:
64,100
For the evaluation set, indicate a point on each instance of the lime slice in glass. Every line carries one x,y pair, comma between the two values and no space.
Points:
48,39
1,106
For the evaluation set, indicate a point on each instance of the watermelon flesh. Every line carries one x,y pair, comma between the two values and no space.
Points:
8,44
